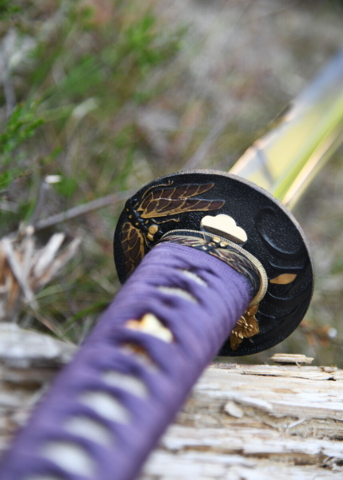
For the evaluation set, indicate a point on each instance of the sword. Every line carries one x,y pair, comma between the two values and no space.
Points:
210,261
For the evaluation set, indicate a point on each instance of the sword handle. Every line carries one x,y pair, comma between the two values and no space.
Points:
107,409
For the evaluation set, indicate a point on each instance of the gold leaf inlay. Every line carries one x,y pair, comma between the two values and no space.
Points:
283,279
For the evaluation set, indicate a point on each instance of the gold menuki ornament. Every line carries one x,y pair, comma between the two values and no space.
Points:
246,327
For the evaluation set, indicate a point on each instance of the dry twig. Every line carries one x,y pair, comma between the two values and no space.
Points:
24,270
81,210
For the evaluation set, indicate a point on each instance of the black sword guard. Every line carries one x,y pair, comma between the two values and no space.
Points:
182,199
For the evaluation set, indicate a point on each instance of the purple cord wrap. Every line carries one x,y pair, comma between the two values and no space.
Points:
200,323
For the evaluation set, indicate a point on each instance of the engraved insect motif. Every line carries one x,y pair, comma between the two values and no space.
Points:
159,202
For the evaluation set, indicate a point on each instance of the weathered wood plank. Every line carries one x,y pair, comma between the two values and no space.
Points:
254,422
241,422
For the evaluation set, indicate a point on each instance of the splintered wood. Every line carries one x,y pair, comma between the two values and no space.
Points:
256,422
248,422
28,362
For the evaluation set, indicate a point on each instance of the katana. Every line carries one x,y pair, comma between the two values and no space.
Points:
210,262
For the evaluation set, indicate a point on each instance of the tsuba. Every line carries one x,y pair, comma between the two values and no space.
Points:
181,200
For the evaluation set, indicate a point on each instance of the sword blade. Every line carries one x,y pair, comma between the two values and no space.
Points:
286,159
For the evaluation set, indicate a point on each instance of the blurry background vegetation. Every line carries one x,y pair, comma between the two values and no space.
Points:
109,94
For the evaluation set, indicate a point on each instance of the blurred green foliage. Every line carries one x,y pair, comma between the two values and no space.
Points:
86,67
7,8
110,94
21,125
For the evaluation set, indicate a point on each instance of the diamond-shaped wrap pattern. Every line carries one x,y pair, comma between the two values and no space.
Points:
108,407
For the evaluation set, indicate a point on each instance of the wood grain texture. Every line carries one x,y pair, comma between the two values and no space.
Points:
246,422
256,421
